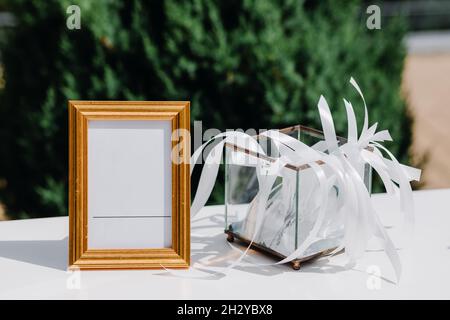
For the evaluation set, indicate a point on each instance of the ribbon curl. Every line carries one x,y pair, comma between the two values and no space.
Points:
346,164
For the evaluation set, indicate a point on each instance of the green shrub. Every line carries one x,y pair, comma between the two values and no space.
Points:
242,64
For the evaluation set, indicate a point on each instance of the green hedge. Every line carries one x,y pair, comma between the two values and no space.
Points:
242,64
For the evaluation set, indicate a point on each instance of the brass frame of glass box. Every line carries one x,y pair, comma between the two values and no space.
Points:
231,236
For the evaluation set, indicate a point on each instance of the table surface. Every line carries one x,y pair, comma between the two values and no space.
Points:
33,263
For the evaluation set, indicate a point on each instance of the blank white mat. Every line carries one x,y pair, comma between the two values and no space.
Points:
129,184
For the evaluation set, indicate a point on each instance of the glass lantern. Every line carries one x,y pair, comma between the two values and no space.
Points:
293,204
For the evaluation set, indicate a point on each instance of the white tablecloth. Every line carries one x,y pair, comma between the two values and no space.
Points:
33,262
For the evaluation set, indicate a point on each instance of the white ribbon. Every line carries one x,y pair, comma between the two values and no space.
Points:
354,154
346,164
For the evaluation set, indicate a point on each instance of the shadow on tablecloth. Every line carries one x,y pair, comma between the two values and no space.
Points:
214,251
46,253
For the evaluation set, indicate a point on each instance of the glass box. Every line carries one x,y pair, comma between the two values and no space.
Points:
293,203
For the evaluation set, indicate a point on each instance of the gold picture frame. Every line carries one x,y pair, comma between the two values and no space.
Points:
80,256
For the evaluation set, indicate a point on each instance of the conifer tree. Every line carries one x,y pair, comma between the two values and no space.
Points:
241,63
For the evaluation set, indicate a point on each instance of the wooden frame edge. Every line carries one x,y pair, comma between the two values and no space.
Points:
79,256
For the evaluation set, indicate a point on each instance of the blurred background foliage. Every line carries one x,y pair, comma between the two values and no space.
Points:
241,63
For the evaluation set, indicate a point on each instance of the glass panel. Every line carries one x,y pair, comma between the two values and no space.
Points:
293,204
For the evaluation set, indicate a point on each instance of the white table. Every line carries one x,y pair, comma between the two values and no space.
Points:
33,261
